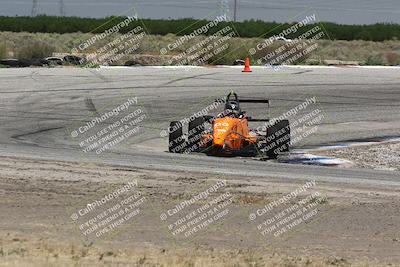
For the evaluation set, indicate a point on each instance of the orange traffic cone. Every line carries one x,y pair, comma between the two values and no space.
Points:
246,65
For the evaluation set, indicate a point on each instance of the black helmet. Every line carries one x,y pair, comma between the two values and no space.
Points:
232,106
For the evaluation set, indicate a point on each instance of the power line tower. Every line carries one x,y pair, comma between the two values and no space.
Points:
62,8
34,8
224,9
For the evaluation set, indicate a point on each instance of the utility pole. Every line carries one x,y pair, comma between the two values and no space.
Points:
235,12
224,9
34,8
62,8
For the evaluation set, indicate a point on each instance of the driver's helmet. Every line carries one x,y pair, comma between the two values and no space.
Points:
232,107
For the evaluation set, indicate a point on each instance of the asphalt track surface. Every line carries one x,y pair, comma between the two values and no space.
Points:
40,107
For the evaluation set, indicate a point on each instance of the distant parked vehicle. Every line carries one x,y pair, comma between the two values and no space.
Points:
238,62
279,38
75,60
54,61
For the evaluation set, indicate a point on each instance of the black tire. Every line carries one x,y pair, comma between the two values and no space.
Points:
196,129
176,140
132,63
16,63
25,63
10,62
278,139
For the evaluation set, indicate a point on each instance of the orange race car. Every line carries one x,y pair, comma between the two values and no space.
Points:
228,133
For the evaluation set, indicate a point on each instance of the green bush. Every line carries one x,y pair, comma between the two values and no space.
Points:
364,52
234,51
250,28
373,61
35,50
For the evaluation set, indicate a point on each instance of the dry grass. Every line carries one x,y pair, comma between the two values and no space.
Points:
362,51
21,252
34,50
392,58
366,52
3,51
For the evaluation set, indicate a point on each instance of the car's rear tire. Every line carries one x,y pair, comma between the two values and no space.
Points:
278,138
196,129
176,139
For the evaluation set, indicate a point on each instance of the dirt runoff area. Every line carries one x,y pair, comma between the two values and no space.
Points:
71,214
385,156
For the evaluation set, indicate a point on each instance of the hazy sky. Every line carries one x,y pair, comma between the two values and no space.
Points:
341,11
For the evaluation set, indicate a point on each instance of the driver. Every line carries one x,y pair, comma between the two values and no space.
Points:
232,109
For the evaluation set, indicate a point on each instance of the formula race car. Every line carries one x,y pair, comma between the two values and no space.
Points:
228,133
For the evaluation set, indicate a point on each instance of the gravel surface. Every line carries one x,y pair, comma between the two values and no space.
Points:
378,157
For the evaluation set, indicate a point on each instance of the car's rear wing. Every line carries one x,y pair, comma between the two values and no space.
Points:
249,100
251,119
255,100
266,101
244,100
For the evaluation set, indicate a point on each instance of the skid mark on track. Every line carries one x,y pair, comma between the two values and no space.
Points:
90,105
301,72
19,136
99,75
188,78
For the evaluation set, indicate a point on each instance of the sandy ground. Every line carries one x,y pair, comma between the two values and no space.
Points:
354,226
378,157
